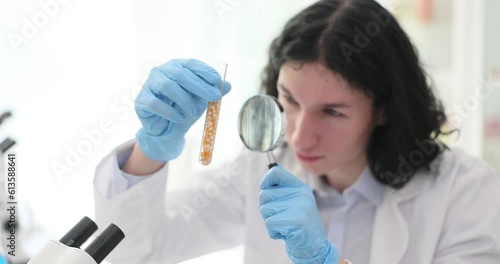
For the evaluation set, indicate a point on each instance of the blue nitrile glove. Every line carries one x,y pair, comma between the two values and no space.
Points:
289,210
173,97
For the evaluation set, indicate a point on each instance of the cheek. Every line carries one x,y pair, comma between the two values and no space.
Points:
290,127
353,136
334,136
343,135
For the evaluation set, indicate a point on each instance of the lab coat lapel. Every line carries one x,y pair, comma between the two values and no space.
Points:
391,233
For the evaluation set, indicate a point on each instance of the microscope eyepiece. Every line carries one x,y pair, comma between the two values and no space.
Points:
79,233
104,243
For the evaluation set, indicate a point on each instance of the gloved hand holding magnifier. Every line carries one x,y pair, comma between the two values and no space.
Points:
287,204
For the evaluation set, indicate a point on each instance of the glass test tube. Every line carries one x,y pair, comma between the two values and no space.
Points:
211,119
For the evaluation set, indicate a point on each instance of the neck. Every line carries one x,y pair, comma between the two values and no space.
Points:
345,176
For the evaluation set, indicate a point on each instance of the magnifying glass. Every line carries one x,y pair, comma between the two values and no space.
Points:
262,125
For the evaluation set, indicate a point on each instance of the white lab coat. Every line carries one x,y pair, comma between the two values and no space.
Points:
448,216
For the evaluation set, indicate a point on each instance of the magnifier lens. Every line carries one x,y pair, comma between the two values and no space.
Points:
262,125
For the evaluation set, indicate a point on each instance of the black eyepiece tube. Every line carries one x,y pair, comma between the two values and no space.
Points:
105,243
5,116
79,233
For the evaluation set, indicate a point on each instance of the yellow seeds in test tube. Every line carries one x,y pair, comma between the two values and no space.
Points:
211,119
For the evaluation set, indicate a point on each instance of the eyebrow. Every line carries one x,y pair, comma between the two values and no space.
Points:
332,105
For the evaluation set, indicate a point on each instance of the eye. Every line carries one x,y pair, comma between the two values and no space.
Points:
289,99
332,112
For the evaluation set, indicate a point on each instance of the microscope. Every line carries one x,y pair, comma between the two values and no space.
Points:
67,249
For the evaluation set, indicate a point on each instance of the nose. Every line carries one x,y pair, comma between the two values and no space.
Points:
305,135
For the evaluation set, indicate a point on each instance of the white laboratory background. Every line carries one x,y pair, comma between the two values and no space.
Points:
70,70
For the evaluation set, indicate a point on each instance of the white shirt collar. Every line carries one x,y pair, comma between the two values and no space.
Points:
366,185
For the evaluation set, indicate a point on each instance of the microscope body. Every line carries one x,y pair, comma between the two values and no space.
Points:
54,252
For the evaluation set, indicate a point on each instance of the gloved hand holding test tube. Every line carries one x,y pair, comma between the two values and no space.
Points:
211,120
173,98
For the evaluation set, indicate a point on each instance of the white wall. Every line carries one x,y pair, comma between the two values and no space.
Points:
491,148
60,77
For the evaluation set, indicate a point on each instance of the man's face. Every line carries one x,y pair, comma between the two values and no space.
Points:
329,123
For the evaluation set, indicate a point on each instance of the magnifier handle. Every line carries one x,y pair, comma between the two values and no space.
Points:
272,160
272,165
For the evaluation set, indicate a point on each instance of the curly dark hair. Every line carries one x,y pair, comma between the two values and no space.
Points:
363,42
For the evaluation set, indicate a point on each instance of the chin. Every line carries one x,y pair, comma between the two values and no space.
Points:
314,169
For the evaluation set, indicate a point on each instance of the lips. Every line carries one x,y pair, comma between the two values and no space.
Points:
308,158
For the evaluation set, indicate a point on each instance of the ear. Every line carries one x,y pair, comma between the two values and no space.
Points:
380,117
